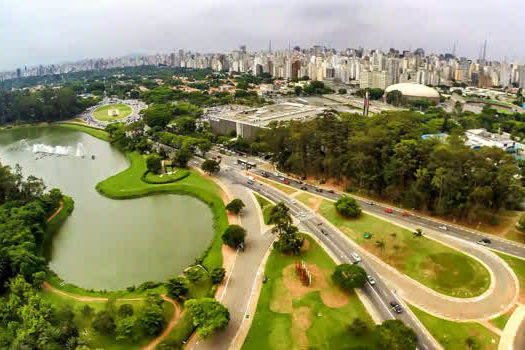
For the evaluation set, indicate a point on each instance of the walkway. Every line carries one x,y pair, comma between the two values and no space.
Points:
514,332
236,295
172,323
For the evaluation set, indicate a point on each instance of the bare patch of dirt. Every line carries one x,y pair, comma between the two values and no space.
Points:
334,297
305,246
296,286
301,321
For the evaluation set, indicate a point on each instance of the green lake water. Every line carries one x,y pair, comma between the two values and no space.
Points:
107,244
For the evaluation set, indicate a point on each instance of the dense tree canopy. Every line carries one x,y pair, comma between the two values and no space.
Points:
349,276
235,206
208,315
234,235
348,206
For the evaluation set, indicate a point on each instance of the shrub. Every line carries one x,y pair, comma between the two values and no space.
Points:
234,235
153,163
125,310
347,206
349,276
217,275
208,315
104,323
177,287
235,206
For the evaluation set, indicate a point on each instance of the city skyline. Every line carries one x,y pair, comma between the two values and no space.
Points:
65,32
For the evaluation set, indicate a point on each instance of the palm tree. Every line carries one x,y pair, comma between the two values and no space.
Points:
418,233
381,245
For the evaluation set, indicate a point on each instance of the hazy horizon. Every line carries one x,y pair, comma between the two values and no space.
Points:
68,31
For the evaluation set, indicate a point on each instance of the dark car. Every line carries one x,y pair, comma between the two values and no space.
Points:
397,308
318,190
484,241
304,188
265,174
330,191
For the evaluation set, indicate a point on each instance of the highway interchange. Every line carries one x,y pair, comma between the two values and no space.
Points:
380,295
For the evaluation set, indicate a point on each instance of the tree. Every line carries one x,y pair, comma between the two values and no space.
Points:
289,242
348,206
177,287
472,343
150,316
280,217
103,323
298,90
194,273
342,91
348,276
234,235
208,315
127,329
394,97
210,166
182,157
235,206
418,233
394,334
358,327
125,310
217,275
154,163
521,225
87,312
381,244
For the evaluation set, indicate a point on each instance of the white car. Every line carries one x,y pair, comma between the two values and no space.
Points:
293,201
443,227
356,257
371,280
251,178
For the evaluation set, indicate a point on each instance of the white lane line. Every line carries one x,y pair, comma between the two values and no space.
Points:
229,276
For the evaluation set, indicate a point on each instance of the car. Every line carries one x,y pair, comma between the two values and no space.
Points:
250,182
371,280
293,201
388,210
405,213
318,190
324,232
356,257
304,188
275,174
484,241
330,191
299,182
281,178
370,203
286,182
397,308
265,174
443,227
251,178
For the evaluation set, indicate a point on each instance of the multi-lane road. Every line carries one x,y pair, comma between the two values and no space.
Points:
380,294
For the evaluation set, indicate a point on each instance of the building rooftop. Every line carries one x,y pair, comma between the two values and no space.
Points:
414,90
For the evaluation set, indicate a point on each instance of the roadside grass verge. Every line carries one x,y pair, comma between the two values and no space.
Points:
98,133
281,187
501,321
290,315
84,324
422,259
101,113
518,266
308,199
266,207
453,335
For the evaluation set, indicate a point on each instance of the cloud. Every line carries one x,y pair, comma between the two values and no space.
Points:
35,31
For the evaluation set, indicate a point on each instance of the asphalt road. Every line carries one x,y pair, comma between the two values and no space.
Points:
378,209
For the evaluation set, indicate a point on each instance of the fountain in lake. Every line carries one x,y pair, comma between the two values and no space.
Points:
40,148
81,152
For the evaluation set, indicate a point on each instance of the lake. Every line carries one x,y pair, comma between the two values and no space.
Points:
107,244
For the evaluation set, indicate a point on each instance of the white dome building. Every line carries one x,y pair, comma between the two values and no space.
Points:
414,91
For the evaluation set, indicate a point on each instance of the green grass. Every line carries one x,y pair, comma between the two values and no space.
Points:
266,207
98,133
501,321
182,331
453,335
422,259
128,184
96,340
329,326
518,266
101,113
179,174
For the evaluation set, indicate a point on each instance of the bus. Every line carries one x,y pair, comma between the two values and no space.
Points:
247,164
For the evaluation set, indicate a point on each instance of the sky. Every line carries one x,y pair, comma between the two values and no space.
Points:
56,31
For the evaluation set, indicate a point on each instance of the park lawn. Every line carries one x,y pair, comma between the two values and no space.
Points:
128,184
308,199
98,133
97,340
178,174
518,266
281,187
266,207
101,113
422,259
290,321
453,335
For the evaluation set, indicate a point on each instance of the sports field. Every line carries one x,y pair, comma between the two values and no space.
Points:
102,113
